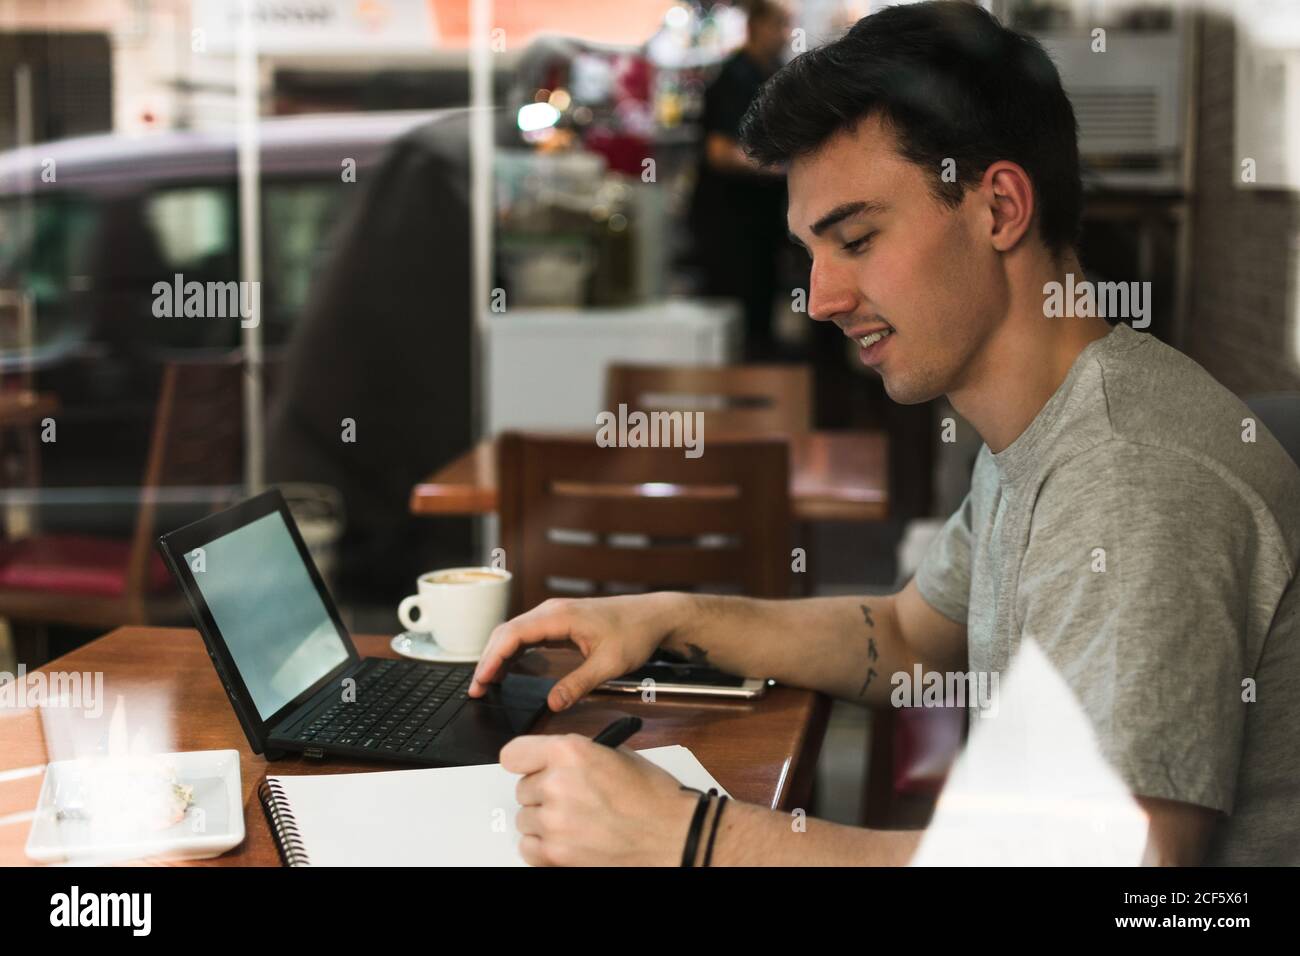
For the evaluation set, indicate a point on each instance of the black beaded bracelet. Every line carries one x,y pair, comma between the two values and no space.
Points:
713,833
697,824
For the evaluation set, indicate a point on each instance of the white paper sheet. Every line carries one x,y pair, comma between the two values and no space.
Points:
446,816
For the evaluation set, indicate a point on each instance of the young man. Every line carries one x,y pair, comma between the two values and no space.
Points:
738,209
1184,651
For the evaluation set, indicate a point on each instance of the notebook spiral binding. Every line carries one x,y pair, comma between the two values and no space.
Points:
287,838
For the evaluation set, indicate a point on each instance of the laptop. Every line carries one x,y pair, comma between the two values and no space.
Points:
292,672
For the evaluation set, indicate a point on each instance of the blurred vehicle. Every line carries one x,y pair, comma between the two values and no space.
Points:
89,225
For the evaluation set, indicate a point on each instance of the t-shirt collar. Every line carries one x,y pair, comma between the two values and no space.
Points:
1018,457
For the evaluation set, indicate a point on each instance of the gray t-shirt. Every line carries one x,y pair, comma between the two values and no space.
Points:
1140,464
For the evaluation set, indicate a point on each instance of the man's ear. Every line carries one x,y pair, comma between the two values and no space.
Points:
1009,192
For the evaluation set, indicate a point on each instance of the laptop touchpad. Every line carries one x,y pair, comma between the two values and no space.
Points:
479,731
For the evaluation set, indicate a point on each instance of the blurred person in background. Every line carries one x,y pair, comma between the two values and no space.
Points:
384,344
738,212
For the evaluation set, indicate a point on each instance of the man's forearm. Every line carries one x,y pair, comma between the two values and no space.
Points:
846,647
725,155
750,835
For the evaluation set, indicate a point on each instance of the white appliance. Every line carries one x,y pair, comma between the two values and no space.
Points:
546,367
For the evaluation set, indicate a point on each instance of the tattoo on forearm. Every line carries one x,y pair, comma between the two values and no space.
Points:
872,653
697,655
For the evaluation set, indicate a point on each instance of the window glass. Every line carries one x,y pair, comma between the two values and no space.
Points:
297,220
45,245
194,227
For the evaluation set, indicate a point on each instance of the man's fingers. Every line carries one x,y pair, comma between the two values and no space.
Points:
582,680
530,849
535,627
528,791
528,754
528,821
503,643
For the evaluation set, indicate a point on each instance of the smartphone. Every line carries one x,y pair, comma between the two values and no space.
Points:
675,678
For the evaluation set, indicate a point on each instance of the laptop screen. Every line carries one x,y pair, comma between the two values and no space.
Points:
274,623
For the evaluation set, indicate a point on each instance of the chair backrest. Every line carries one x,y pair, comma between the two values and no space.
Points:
579,519
1280,413
736,399
198,434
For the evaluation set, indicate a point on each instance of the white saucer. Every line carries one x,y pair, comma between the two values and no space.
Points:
212,824
421,647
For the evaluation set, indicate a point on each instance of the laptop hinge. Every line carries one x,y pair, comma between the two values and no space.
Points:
284,729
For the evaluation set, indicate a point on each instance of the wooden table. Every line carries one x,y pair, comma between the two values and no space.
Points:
23,408
762,751
834,476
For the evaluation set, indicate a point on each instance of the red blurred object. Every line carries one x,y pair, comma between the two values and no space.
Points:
635,77
623,152
90,581
74,564
926,742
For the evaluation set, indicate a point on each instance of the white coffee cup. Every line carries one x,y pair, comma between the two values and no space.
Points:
458,606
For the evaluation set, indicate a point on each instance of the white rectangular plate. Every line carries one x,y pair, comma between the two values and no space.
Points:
213,823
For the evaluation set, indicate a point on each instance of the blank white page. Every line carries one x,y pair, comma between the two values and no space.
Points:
446,816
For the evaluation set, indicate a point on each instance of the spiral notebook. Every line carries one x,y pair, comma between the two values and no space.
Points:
446,816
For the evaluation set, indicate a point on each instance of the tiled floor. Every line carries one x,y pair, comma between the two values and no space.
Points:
842,768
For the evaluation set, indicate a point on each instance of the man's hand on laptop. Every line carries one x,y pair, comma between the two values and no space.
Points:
584,804
614,634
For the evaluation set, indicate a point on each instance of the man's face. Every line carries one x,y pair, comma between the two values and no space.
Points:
888,257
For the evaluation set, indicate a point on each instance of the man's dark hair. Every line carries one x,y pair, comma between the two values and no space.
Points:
952,83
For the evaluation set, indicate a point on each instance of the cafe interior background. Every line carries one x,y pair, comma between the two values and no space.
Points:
460,215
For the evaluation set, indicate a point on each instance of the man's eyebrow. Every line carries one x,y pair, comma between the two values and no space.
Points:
844,211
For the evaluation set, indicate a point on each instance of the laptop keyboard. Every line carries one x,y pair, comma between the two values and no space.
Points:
399,708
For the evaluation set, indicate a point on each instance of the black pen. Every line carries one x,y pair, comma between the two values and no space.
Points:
618,732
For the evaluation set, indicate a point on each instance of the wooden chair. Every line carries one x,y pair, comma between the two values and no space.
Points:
578,519
99,582
21,408
736,399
